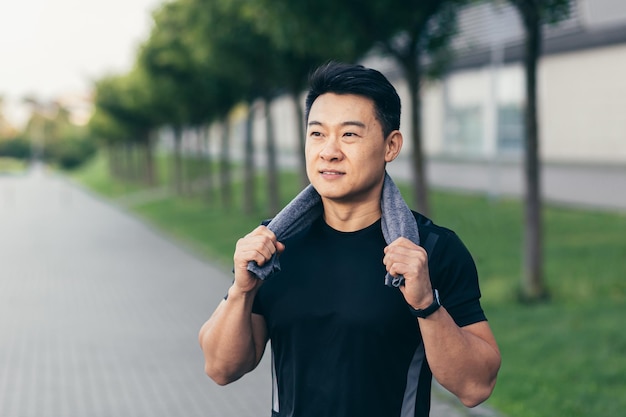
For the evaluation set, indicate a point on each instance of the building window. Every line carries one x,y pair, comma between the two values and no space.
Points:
510,128
464,130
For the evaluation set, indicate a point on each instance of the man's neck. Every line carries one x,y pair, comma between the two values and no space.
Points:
351,217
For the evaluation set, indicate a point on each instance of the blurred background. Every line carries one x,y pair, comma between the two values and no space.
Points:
58,55
189,115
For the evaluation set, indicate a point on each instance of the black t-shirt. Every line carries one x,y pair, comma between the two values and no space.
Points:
343,343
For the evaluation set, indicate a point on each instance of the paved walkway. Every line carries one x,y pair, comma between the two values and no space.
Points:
99,315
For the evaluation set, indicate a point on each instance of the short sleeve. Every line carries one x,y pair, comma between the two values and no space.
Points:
453,273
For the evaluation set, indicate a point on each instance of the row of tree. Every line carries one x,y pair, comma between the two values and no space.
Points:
49,135
205,57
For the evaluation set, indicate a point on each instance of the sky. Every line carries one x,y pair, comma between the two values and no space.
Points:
50,48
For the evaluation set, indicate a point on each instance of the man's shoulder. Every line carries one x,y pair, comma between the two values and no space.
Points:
432,234
426,226
300,235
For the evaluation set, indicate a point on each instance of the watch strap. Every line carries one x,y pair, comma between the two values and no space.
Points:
423,313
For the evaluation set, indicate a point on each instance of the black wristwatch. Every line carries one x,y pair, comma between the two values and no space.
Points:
428,310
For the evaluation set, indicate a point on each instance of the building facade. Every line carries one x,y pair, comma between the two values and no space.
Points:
476,110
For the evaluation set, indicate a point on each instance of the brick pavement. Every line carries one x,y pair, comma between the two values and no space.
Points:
99,314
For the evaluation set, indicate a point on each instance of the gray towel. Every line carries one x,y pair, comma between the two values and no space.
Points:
397,221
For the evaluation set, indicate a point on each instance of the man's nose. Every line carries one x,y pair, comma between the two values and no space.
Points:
331,150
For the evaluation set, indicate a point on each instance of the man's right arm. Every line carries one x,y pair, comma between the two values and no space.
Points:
233,339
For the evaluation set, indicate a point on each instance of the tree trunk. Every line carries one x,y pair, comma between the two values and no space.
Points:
185,163
129,162
117,152
204,147
225,177
113,161
301,137
195,160
149,177
420,184
178,165
272,165
533,288
249,200
138,162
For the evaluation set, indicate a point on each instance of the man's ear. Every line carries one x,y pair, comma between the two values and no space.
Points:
393,145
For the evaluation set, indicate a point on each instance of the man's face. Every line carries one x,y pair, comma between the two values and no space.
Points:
345,148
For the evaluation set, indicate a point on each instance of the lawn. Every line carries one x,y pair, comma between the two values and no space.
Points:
11,165
563,357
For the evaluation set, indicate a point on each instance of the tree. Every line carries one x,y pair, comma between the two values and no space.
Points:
204,54
347,30
67,144
127,100
418,42
420,35
533,14
109,132
11,145
248,59
159,58
297,50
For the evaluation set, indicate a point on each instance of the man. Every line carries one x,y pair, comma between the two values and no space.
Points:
344,343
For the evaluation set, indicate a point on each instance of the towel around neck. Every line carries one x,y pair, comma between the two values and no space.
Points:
397,221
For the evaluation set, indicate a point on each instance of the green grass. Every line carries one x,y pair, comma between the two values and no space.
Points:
95,175
12,165
561,360
565,357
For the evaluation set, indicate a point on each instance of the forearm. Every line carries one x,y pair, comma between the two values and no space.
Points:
463,360
228,340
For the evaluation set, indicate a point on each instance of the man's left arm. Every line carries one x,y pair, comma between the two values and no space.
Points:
465,360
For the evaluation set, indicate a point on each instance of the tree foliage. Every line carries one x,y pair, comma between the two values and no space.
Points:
205,56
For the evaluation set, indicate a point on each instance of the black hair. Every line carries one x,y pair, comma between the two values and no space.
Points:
339,78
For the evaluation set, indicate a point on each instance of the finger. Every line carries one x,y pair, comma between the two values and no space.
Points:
262,231
255,248
407,263
405,255
406,270
403,242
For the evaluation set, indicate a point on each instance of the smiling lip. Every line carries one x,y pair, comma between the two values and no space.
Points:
331,172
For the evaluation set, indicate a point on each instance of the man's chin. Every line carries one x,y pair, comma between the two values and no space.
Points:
342,198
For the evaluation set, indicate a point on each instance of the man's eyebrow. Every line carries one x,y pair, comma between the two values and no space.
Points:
346,123
353,123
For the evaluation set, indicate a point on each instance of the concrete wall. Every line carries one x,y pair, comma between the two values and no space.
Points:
583,105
